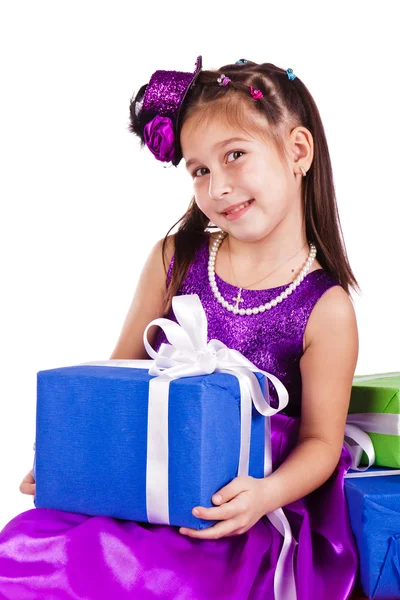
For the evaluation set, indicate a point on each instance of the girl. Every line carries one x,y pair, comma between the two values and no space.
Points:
274,281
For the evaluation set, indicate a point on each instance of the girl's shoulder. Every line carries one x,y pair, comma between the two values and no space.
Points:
169,249
333,312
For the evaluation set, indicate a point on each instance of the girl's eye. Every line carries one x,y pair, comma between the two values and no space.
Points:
235,152
201,171
196,172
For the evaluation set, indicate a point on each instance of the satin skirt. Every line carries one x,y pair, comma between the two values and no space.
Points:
47,554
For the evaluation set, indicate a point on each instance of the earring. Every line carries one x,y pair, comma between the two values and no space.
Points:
302,169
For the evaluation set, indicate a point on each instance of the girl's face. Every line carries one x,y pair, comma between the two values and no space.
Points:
236,170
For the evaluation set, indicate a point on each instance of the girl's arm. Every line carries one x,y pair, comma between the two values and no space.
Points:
147,304
327,370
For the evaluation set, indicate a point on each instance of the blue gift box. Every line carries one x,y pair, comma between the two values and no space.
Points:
91,441
374,508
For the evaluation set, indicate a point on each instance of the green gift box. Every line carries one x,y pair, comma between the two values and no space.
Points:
375,408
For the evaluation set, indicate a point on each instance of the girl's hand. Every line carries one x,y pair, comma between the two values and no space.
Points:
240,504
28,485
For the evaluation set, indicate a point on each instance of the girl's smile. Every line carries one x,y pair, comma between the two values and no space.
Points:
235,211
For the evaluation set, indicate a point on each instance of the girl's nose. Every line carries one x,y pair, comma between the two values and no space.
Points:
219,186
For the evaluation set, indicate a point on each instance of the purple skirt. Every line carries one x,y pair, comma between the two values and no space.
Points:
48,554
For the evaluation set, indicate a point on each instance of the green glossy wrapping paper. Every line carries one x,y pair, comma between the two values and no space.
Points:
377,398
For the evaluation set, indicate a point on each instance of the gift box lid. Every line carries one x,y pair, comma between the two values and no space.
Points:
378,393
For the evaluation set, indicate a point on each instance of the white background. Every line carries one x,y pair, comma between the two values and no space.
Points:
81,205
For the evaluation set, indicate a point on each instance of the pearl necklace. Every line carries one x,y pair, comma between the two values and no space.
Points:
263,307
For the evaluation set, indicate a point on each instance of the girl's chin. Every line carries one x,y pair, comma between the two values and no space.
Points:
246,237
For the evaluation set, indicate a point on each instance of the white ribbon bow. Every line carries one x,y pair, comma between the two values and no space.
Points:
189,355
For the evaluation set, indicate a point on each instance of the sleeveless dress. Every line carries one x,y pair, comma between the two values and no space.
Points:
47,554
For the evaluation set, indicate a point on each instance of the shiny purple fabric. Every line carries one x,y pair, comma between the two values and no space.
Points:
51,555
272,340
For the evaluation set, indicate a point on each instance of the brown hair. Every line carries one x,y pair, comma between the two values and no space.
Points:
285,104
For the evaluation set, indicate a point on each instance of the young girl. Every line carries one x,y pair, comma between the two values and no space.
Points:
261,245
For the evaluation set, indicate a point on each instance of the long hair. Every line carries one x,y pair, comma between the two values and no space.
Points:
285,104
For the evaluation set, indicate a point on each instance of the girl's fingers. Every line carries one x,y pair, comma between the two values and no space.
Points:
28,488
231,490
222,529
29,478
229,510
28,485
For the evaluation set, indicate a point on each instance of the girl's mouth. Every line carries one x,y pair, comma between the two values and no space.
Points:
238,211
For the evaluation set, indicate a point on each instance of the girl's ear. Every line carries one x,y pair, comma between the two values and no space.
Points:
302,146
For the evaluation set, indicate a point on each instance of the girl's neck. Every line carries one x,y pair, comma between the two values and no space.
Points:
268,252
241,264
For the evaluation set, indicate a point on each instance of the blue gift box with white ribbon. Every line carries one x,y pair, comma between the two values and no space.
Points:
91,441
148,440
374,509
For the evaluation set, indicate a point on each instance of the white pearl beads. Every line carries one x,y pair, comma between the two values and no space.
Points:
257,309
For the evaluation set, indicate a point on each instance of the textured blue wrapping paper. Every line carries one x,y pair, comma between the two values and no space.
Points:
91,441
374,507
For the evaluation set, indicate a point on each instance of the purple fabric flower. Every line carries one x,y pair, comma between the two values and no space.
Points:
159,137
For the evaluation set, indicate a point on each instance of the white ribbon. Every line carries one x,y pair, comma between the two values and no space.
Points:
188,355
356,440
359,378
386,423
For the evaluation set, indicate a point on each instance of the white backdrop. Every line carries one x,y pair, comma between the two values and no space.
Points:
81,205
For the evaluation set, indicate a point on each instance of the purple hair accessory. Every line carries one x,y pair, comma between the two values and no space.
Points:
222,80
159,137
257,94
162,103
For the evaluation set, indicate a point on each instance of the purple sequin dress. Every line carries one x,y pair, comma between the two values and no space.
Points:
47,554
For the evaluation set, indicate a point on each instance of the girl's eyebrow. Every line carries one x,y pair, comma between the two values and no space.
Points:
222,144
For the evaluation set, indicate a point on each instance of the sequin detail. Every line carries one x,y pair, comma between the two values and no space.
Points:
165,92
272,340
